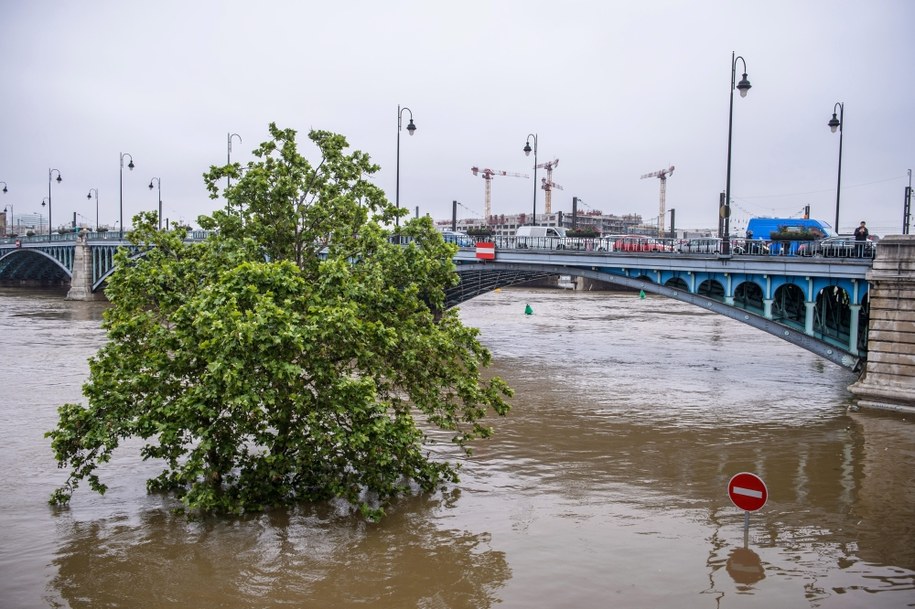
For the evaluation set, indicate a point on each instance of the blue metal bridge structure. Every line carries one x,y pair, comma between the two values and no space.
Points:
817,303
40,261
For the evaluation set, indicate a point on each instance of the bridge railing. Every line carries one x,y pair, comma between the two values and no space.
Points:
700,246
826,248
93,236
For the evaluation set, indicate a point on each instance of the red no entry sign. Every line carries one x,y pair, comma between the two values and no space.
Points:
747,491
486,250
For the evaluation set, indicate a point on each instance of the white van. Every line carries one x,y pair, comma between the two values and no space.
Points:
540,231
540,237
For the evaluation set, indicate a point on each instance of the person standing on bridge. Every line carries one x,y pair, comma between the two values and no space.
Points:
861,234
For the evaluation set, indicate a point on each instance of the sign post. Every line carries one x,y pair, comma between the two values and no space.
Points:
749,493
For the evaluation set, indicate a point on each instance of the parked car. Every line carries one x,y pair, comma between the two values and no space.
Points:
461,239
701,245
590,244
640,243
844,247
749,246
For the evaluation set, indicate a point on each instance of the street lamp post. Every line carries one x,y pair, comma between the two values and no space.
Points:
130,166
411,128
9,218
41,219
59,180
743,86
89,196
4,209
527,152
837,123
159,184
229,154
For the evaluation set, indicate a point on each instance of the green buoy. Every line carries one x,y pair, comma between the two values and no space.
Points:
528,310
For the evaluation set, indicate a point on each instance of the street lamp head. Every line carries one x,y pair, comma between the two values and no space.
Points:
4,189
744,85
527,148
89,196
59,179
130,165
150,184
411,127
834,123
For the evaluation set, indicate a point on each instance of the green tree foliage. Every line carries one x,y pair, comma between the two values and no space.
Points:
296,355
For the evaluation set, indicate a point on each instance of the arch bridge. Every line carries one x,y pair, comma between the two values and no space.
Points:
38,261
819,304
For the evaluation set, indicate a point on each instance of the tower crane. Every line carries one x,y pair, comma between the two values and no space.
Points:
547,184
487,175
662,175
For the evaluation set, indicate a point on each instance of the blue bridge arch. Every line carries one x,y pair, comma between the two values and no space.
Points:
823,309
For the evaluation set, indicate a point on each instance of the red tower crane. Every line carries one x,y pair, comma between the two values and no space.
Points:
662,175
487,175
547,184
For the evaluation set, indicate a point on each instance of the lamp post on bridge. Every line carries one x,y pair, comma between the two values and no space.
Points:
837,123
59,180
527,152
411,128
4,209
89,196
44,201
159,184
130,166
9,218
229,154
743,86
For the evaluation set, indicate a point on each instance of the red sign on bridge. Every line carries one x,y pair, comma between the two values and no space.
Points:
747,491
486,250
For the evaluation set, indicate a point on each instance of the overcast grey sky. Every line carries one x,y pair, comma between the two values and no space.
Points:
613,89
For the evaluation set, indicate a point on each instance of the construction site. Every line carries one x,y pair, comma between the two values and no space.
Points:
583,217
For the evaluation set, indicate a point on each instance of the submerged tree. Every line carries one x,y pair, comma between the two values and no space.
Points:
298,354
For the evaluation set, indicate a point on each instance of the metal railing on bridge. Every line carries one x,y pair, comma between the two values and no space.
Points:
835,247
71,236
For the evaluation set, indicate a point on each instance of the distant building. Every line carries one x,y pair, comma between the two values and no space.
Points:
23,223
506,224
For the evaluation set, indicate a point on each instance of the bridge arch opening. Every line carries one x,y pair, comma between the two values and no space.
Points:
677,283
788,305
32,266
832,314
711,289
749,296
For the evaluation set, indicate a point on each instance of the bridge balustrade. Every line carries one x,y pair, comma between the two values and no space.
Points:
644,244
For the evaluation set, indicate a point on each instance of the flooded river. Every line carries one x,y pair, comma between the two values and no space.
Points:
605,486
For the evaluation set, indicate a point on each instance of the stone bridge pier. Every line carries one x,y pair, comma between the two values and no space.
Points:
888,381
81,278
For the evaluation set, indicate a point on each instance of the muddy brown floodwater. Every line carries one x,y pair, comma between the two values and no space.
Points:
605,487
